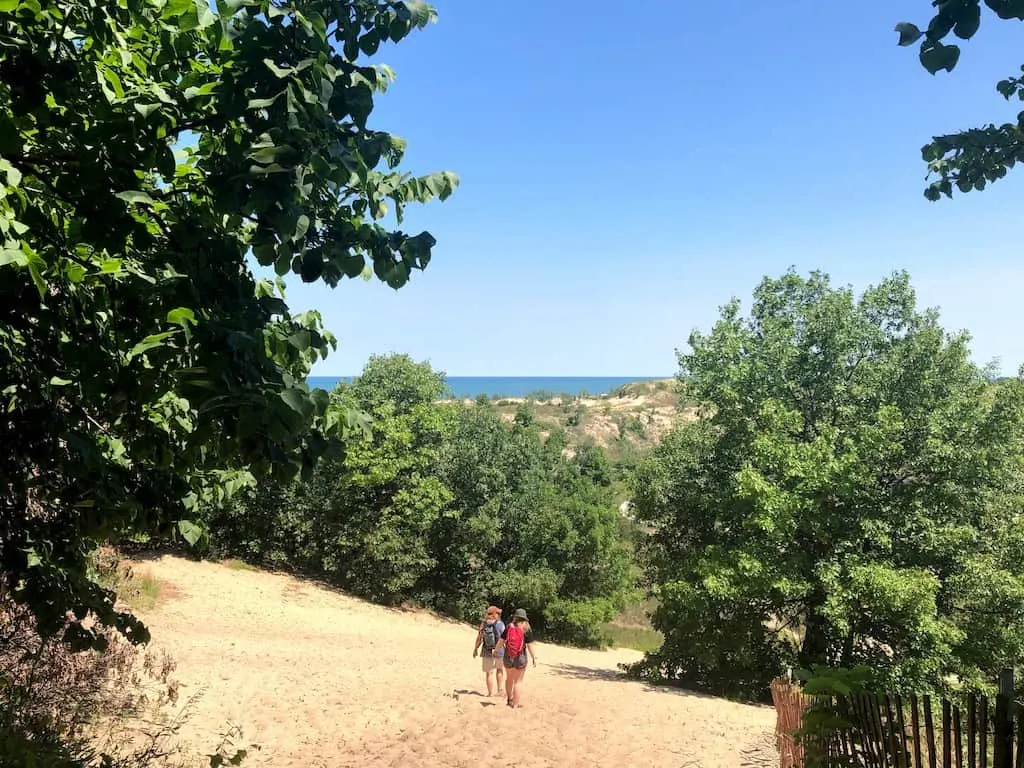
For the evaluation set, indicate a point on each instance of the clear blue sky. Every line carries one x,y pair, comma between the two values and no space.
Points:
628,167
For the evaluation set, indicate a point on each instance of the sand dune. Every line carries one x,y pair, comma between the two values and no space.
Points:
318,679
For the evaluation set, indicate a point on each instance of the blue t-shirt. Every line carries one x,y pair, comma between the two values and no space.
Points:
499,630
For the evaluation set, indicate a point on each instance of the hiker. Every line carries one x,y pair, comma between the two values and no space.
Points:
488,635
516,642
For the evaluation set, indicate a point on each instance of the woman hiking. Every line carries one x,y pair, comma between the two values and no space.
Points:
516,642
488,635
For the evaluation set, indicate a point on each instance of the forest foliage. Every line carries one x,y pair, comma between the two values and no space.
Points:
447,505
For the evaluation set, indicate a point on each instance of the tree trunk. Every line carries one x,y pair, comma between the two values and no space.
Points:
847,657
814,649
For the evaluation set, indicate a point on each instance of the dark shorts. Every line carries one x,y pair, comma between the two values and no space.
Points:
516,662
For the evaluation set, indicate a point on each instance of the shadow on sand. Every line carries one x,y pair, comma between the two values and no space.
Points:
579,672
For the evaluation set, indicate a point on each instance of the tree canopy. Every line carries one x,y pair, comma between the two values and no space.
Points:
150,152
849,496
970,159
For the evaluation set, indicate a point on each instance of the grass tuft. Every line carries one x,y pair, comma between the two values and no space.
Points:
238,565
139,589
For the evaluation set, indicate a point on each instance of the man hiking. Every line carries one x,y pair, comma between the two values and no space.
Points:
488,635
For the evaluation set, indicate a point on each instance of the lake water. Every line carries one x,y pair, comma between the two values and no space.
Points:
515,386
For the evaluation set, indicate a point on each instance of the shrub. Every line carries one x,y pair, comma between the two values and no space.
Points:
112,708
63,708
580,621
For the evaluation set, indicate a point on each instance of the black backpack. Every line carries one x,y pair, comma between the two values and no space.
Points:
490,635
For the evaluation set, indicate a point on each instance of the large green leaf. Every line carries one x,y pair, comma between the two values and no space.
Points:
153,341
968,22
417,12
181,316
909,33
13,174
190,531
136,197
936,56
297,400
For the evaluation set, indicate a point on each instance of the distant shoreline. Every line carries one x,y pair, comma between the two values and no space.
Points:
469,387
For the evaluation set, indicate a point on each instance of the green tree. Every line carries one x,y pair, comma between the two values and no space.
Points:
385,498
973,158
539,529
364,520
847,496
147,149
398,383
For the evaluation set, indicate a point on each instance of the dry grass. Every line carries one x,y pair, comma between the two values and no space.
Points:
136,587
57,702
124,705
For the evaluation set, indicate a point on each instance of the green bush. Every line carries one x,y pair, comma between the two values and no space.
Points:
580,621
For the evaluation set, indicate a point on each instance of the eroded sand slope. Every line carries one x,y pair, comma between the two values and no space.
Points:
317,678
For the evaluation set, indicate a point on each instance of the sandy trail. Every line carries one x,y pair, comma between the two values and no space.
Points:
318,679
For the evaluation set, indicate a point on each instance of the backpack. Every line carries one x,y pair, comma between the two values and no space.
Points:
515,641
490,635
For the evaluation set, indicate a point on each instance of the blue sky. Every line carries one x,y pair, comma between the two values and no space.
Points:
628,167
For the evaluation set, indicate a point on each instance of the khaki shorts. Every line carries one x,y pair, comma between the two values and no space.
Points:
491,663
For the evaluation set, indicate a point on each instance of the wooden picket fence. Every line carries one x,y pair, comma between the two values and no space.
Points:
892,731
790,705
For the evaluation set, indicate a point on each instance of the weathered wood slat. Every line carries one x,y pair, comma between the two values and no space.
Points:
874,738
947,753
1002,752
958,739
869,704
983,732
864,729
883,740
915,727
849,732
891,735
838,744
1019,710
972,729
902,725
929,729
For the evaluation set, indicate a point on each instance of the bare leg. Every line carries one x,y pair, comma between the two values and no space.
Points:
510,684
501,678
489,679
517,691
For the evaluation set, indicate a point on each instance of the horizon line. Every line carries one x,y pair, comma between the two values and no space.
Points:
510,376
